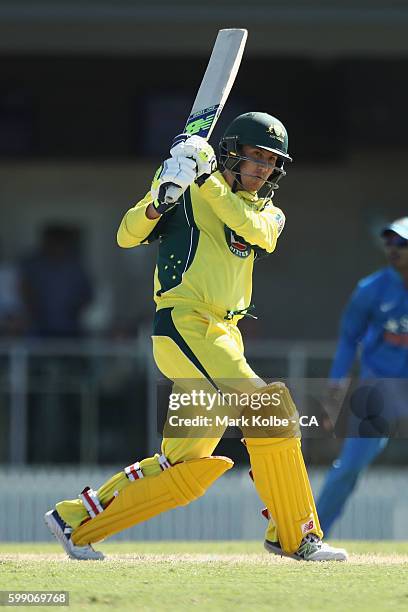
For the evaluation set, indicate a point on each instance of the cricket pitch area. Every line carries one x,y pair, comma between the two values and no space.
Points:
211,576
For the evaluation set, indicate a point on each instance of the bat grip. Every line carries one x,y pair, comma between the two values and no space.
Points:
172,193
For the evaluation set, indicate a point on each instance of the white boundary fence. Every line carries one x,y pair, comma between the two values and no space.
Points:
230,510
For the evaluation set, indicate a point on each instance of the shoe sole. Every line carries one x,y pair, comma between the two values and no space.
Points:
57,532
276,550
59,535
338,557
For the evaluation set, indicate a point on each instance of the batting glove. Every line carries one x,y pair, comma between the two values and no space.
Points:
200,150
171,180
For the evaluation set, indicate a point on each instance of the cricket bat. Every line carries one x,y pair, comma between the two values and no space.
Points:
214,90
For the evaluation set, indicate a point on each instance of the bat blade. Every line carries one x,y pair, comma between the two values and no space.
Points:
214,90
217,81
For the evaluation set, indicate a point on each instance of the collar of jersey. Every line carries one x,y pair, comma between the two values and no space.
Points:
246,195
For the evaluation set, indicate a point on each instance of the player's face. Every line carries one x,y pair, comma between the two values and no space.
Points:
396,249
256,168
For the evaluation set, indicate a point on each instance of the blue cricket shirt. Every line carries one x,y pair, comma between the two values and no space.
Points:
376,319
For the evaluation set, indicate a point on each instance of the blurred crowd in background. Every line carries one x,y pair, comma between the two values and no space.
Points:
44,294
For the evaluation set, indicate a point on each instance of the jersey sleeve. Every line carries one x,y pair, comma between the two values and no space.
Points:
354,323
260,228
135,228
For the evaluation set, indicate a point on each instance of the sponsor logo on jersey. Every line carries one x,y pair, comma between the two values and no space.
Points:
397,325
236,244
396,331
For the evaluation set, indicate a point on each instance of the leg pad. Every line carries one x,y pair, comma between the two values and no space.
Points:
144,498
283,485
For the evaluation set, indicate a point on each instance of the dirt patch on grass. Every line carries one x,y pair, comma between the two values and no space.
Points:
177,559
32,557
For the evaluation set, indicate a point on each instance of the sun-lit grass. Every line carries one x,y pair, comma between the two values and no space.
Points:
219,576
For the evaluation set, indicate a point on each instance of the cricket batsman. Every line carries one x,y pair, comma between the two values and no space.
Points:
208,243
375,320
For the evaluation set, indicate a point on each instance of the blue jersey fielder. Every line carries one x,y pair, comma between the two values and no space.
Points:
376,318
375,321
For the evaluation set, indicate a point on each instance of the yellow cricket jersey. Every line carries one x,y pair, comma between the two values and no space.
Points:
208,244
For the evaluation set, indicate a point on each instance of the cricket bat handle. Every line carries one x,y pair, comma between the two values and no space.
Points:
173,193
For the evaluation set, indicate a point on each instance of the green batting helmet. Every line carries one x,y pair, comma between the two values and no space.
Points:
258,130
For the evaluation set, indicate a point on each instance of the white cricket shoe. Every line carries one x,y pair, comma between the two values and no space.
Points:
310,549
62,532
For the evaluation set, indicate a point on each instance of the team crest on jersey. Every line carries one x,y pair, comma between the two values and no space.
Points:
236,244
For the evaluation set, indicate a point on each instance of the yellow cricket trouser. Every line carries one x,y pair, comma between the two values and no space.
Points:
198,348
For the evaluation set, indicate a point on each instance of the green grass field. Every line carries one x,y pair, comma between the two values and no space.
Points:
213,576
